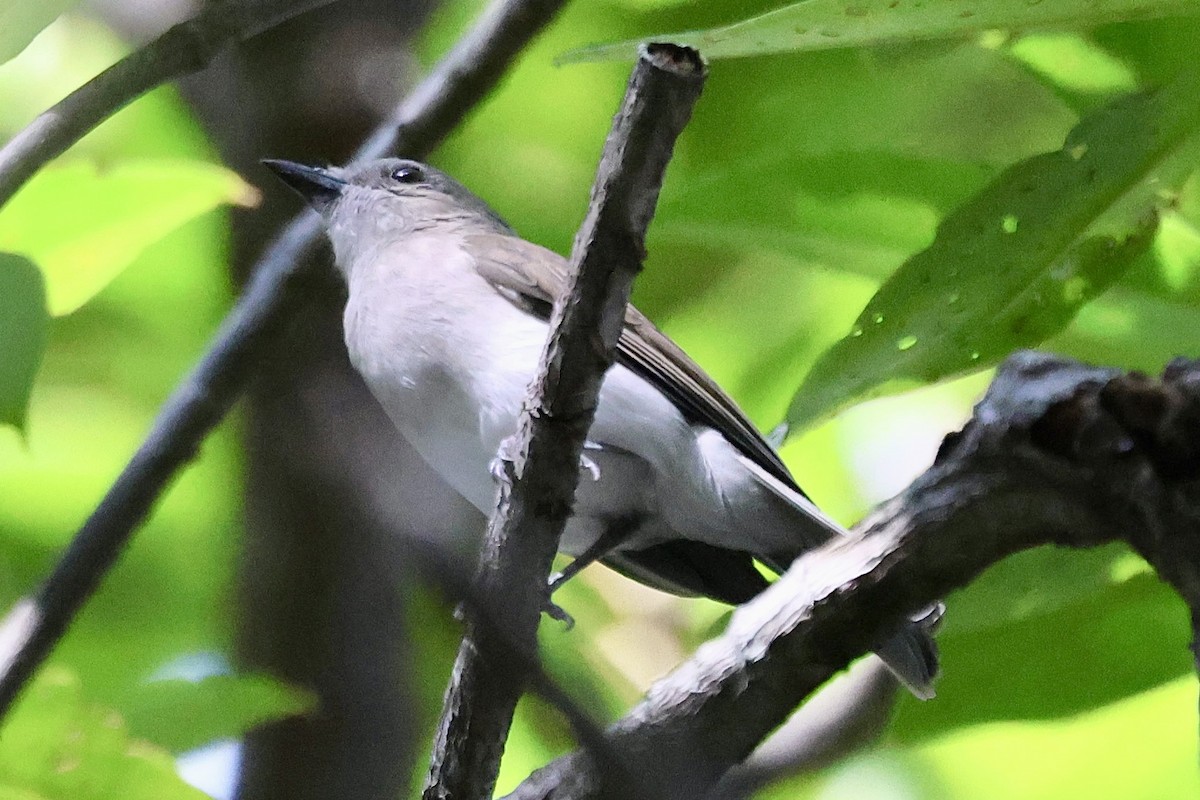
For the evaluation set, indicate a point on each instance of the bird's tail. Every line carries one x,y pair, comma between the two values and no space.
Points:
912,656
911,653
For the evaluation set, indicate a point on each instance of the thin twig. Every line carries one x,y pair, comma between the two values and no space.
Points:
275,290
1057,452
183,49
542,461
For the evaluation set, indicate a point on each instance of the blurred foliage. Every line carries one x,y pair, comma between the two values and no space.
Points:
123,223
22,334
59,746
806,183
82,227
21,20
183,714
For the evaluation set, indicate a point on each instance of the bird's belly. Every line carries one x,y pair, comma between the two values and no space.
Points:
441,421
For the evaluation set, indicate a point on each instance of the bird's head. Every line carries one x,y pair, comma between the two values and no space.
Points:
381,202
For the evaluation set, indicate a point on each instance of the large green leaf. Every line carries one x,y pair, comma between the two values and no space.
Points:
830,24
83,225
182,714
1038,582
23,323
1110,644
1013,265
1142,748
21,20
57,746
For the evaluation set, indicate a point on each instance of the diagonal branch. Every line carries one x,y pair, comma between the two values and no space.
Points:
541,463
183,49
456,85
1057,452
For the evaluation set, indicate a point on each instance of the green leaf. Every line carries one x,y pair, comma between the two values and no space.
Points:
182,714
83,225
1111,644
1038,582
831,24
23,323
1014,264
21,20
1142,748
57,746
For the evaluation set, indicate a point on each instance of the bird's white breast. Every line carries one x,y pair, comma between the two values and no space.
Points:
447,358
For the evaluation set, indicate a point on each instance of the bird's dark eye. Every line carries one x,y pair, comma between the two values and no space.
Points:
407,175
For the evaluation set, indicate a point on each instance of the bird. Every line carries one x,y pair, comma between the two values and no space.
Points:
446,316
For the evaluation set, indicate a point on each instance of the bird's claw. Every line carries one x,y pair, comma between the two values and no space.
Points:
501,466
557,613
590,467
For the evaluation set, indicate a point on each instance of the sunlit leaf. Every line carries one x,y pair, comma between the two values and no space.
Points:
1142,748
1013,265
23,323
21,20
829,24
58,746
83,225
182,714
1074,63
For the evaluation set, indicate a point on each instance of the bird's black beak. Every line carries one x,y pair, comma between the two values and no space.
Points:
318,186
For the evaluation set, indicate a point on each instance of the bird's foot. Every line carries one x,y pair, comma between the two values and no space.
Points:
501,467
590,467
586,463
558,613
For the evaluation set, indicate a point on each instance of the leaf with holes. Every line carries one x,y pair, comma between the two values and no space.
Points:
830,24
1013,265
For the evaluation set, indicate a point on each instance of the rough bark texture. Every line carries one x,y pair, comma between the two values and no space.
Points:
1057,452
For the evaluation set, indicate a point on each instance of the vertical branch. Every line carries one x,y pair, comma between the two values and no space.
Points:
539,480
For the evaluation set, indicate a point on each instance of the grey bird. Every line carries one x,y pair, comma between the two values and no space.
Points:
447,316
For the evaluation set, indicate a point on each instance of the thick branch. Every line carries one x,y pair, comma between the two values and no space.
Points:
541,463
435,106
1057,452
185,48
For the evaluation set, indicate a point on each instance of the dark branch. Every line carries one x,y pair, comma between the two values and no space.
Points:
1057,452
435,106
185,48
541,463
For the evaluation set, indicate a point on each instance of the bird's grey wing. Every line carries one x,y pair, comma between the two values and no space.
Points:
532,277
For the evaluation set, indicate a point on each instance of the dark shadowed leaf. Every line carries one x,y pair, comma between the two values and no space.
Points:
829,24
23,322
1013,265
